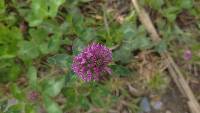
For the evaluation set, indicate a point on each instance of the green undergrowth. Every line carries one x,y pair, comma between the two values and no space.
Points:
39,38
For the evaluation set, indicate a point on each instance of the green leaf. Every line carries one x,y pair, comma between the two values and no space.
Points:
120,70
53,6
77,46
161,47
134,39
9,39
156,4
51,106
29,109
41,9
71,96
100,96
32,76
34,20
70,79
43,48
16,92
187,4
141,43
28,50
14,72
50,46
38,35
83,102
171,13
123,54
7,56
53,87
2,6
85,0
10,71
54,43
88,35
129,31
38,12
62,60
17,108
77,21
3,105
54,27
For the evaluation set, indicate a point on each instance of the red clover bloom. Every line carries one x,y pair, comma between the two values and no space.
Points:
92,62
32,95
187,55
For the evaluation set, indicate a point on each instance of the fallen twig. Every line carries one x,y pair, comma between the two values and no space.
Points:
176,74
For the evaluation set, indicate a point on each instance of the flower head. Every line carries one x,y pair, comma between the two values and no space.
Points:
187,55
32,95
92,62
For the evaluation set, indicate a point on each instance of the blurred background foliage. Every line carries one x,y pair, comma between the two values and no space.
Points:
38,39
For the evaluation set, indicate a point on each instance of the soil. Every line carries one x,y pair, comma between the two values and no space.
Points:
173,101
